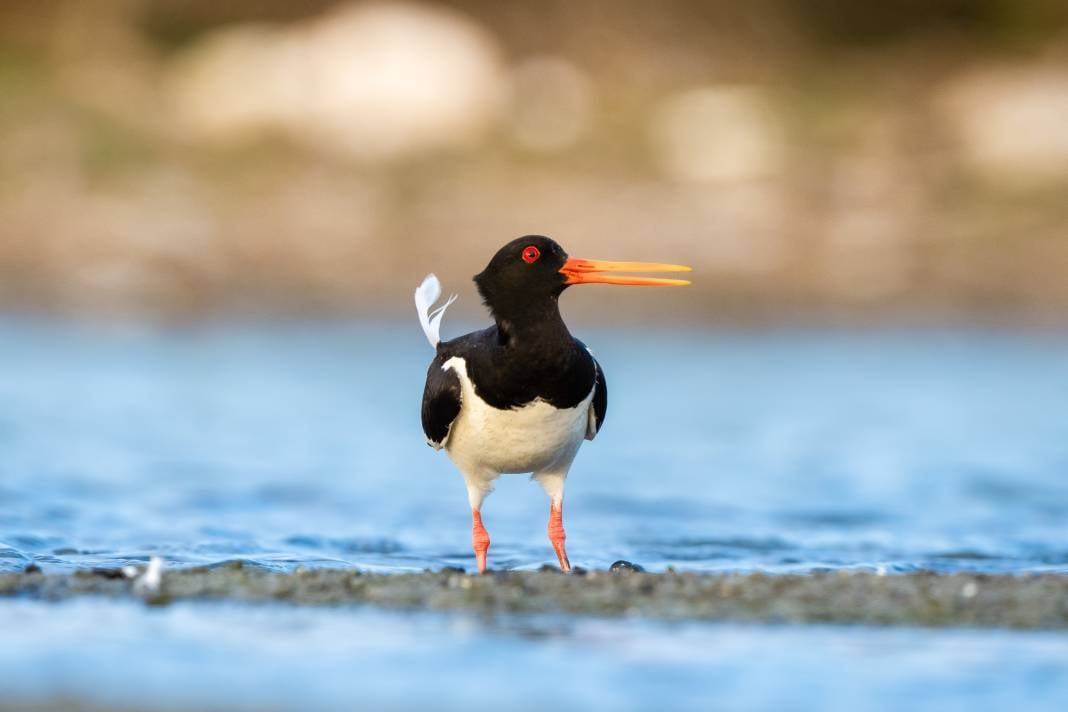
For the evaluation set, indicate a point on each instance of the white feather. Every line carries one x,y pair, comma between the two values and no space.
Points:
430,319
146,582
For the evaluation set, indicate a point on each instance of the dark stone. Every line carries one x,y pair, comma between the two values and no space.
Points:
32,569
109,573
622,565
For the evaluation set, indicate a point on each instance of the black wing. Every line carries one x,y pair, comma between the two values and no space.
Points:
441,402
599,406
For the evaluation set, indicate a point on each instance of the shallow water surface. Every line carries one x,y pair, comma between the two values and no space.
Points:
284,445
277,657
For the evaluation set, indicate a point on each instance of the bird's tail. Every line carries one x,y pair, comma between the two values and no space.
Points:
425,295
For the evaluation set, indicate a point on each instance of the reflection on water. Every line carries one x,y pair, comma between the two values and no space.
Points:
276,657
300,444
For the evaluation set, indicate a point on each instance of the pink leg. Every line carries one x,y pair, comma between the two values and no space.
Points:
557,535
479,540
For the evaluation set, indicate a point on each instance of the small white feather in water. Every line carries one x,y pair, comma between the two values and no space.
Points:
430,319
149,581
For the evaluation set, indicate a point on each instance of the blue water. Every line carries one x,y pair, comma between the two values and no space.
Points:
273,657
285,444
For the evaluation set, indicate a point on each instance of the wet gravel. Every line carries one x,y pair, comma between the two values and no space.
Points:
1037,601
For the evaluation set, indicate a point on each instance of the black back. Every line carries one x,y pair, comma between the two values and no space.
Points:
506,378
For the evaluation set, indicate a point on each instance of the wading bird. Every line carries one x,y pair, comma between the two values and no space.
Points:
519,396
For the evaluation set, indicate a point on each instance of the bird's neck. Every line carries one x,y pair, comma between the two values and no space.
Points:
535,324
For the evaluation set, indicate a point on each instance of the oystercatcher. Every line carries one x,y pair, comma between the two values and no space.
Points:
519,396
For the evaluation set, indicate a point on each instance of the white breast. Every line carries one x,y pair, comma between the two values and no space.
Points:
534,438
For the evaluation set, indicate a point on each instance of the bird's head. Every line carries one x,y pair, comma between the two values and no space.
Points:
532,271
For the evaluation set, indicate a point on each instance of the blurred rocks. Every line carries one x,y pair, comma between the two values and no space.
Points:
552,103
176,159
1010,123
375,81
874,204
717,134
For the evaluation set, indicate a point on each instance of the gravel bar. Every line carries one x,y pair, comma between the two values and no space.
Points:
1035,601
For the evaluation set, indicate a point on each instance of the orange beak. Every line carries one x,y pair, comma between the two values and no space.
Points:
579,271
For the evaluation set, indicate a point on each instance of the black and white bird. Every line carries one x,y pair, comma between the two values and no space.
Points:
520,396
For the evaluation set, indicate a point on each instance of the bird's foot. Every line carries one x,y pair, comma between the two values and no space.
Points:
479,540
557,536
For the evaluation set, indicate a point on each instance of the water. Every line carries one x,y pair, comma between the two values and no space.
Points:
273,657
285,445
288,445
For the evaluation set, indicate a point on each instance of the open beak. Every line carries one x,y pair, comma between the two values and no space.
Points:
579,271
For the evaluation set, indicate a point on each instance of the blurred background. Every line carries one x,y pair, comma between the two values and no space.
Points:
822,160
212,218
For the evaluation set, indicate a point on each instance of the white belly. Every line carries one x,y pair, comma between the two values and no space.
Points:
534,438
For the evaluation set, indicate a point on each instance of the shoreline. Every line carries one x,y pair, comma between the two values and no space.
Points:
925,599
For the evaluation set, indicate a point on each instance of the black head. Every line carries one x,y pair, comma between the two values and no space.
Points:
522,282
523,278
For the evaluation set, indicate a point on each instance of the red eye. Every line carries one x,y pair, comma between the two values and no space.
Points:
531,254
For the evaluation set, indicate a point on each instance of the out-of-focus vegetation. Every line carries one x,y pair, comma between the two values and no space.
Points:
820,159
